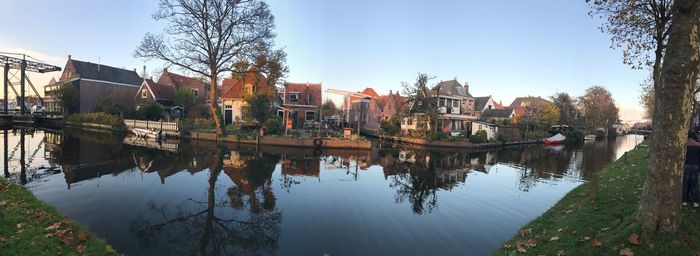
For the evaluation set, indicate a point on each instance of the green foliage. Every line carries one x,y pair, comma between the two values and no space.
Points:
536,134
258,108
391,127
567,107
151,110
603,210
115,121
438,135
479,137
202,124
273,126
29,226
68,97
574,136
186,99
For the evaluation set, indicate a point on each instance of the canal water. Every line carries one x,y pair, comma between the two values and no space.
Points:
198,198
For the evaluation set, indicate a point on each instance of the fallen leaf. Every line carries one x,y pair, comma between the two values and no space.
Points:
626,252
526,232
82,236
54,226
595,243
68,240
587,238
80,248
554,238
19,225
634,239
109,249
561,253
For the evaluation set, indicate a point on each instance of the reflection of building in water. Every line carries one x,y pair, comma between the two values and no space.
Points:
301,165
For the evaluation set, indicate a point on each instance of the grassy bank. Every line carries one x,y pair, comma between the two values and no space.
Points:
598,218
29,226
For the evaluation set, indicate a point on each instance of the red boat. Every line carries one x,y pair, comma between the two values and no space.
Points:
555,140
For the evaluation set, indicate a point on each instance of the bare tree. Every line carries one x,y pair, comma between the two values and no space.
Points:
659,210
207,37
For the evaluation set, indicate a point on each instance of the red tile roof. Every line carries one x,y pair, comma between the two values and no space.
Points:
232,88
370,92
161,91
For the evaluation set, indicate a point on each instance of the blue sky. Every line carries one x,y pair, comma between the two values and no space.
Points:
501,48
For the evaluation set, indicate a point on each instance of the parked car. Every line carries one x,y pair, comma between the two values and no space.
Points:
37,110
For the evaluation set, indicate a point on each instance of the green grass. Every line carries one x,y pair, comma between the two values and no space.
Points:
598,218
29,226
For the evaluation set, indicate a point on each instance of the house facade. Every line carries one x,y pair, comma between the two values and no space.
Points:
484,103
455,106
491,129
301,103
150,91
235,91
497,115
198,87
94,82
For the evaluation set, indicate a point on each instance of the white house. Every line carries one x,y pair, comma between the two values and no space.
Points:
491,129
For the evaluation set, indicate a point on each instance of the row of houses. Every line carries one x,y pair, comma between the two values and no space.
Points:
459,111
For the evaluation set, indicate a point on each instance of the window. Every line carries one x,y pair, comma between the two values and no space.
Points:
294,97
455,104
248,89
195,92
144,93
228,106
310,115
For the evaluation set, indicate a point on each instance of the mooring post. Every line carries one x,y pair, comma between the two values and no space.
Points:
6,167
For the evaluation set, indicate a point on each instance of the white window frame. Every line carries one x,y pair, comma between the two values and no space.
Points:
298,97
306,115
144,93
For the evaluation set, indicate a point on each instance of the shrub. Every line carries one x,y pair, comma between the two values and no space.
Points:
479,137
438,135
116,122
201,124
390,127
574,136
273,125
152,110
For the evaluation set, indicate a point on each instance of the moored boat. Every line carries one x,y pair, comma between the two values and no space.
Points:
145,133
555,140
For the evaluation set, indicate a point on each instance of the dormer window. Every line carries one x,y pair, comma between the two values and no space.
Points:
195,92
294,97
144,93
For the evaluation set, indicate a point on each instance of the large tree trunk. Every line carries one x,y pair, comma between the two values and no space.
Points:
659,205
213,89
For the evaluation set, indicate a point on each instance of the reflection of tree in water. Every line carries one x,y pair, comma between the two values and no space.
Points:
214,227
414,181
535,163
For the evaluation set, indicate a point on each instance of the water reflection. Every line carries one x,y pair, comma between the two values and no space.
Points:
199,198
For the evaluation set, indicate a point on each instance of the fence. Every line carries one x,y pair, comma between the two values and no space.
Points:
169,127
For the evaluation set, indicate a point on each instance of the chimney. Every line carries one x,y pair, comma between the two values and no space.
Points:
69,56
98,64
144,71
466,86
391,92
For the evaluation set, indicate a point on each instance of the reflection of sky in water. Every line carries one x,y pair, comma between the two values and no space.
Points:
290,202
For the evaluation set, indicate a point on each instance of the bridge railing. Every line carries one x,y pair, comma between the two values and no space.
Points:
169,127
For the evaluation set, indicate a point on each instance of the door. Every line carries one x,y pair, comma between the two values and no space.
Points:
228,113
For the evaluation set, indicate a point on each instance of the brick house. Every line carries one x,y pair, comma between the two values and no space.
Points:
378,108
197,86
455,106
94,82
235,90
301,102
150,91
